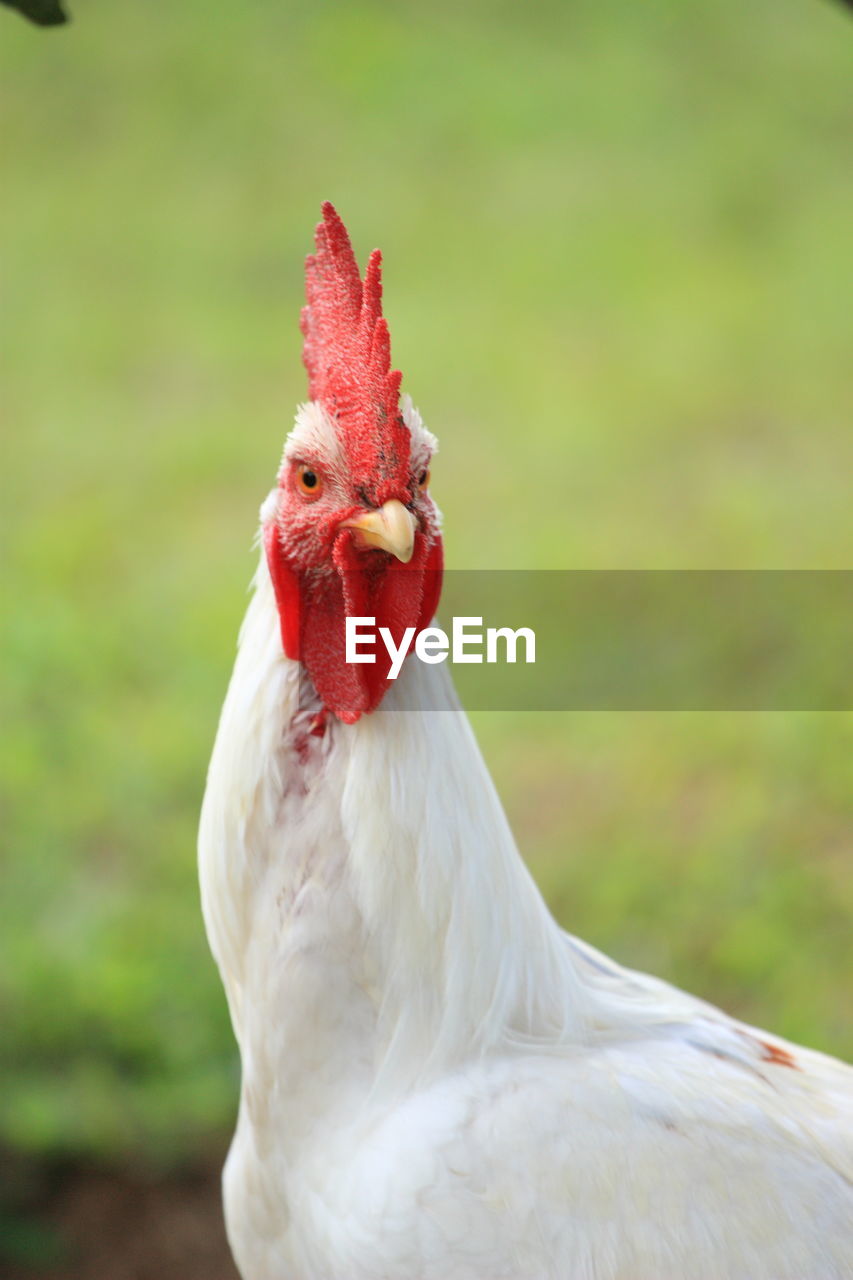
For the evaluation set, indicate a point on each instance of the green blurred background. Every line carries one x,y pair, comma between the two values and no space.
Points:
619,283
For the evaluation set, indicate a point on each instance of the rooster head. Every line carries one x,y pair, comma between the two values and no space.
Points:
352,530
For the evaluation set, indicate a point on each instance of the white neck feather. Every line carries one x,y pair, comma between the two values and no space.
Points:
387,838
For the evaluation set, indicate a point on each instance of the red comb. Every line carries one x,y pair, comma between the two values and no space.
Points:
347,349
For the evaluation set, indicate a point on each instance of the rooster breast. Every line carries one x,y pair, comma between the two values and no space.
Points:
614,1164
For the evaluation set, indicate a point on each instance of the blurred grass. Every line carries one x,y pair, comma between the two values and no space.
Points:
619,281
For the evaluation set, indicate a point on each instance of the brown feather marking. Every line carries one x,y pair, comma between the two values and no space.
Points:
775,1053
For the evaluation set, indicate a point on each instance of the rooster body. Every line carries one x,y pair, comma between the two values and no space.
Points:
438,1082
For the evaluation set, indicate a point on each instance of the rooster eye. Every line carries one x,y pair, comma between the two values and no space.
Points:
308,482
423,478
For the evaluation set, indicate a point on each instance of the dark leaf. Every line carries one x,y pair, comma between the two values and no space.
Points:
45,13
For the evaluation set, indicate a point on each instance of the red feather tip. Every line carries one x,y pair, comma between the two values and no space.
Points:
347,349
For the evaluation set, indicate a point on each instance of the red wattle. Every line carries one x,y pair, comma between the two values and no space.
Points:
286,587
313,612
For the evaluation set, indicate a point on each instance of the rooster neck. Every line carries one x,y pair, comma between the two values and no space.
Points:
363,895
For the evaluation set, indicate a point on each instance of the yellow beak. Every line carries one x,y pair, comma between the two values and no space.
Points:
391,528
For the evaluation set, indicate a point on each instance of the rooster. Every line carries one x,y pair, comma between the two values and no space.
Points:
438,1083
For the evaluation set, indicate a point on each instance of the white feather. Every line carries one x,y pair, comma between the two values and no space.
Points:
438,1083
